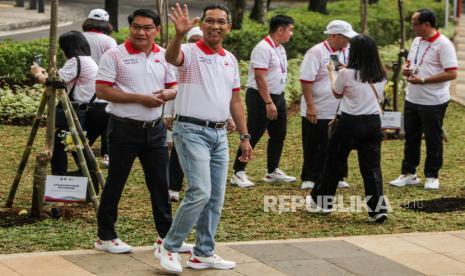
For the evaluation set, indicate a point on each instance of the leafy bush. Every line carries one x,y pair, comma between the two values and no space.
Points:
19,105
383,24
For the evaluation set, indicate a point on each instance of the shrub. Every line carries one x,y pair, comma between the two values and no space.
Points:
19,105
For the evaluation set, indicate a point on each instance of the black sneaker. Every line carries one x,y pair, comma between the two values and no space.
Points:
378,218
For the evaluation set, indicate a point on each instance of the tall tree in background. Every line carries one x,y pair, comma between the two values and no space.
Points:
111,6
259,10
237,8
364,16
318,6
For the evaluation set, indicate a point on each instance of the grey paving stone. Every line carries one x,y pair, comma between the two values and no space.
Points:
102,263
331,249
372,265
273,252
308,267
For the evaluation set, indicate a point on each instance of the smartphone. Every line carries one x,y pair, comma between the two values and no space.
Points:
335,60
38,59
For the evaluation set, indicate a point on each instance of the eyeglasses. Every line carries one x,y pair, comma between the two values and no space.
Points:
211,21
145,28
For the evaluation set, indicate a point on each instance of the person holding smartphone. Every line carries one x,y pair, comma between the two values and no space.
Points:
360,86
318,105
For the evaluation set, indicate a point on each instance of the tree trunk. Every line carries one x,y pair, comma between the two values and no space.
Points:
259,10
38,188
237,8
268,4
318,6
364,16
111,6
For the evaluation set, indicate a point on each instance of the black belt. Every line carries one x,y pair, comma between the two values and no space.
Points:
215,125
137,123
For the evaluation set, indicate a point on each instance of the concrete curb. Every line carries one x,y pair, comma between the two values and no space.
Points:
22,25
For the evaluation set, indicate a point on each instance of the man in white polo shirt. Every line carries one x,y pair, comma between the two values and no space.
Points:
135,78
209,90
430,66
318,105
265,100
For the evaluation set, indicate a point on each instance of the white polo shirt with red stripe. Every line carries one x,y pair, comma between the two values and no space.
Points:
207,80
99,43
267,57
132,71
314,70
431,57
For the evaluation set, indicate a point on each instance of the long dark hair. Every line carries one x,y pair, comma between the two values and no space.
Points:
364,59
74,44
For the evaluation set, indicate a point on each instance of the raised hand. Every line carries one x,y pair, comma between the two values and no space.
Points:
181,20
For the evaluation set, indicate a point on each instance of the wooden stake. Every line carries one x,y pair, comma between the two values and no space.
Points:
87,148
27,152
80,154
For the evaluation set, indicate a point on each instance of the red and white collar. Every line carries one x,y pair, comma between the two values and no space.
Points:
207,50
330,49
132,51
270,41
433,38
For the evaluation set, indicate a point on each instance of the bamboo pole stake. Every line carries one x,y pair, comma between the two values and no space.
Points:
52,55
401,56
27,151
74,134
87,148
38,186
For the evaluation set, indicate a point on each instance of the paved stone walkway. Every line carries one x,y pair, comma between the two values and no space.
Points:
458,93
436,253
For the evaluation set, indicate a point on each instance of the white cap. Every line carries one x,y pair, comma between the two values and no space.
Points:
194,31
99,14
340,27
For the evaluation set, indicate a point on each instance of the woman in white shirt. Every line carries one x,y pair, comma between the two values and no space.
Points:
360,87
77,52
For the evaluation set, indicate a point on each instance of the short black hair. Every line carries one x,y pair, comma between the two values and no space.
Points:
74,44
91,24
427,15
145,13
364,58
280,21
217,6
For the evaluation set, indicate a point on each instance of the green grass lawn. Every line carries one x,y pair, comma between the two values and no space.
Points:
243,217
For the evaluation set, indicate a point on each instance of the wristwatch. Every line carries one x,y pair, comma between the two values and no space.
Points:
244,136
422,81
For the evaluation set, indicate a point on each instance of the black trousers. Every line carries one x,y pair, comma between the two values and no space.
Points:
257,123
96,125
127,141
427,119
363,133
314,142
176,175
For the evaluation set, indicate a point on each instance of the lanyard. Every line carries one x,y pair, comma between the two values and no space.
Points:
282,62
423,56
342,51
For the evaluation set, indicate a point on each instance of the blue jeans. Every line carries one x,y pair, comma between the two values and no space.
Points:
203,154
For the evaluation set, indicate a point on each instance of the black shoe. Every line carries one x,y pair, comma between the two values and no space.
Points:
378,218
